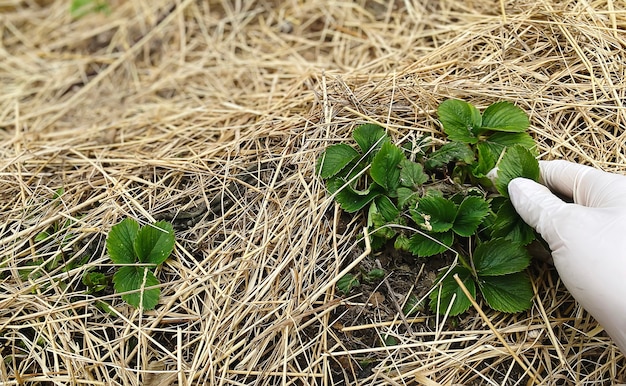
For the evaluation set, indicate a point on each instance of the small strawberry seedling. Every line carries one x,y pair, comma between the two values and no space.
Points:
445,196
140,251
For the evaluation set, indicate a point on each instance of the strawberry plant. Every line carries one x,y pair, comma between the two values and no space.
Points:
429,200
140,250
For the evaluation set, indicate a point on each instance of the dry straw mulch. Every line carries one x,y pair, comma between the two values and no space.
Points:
160,105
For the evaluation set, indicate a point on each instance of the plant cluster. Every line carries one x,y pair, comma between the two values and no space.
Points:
430,199
349,281
140,250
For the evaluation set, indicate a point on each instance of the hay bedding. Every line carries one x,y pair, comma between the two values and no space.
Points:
164,105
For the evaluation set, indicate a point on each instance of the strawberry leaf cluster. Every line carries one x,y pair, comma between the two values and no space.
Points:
445,195
140,250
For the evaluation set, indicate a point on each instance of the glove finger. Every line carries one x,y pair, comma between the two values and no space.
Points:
587,186
538,207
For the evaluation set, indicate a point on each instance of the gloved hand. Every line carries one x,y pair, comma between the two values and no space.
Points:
587,237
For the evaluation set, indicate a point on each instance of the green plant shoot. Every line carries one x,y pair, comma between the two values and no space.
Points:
140,250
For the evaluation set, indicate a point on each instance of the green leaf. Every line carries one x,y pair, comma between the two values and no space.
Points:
402,243
334,159
434,213
347,282
389,341
500,257
487,159
470,215
131,278
374,274
516,162
377,224
412,174
412,306
385,171
41,236
505,116
510,226
461,121
370,136
120,242
451,151
424,245
500,141
349,199
386,208
448,291
58,193
379,239
154,243
406,196
106,307
509,293
95,281
91,279
79,8
490,149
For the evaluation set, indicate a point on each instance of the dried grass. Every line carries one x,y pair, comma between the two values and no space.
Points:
162,104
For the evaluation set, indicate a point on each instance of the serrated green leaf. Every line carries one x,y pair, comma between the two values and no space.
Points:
516,162
490,149
377,224
470,215
347,282
385,169
370,136
412,174
510,226
349,199
448,291
461,121
406,197
386,208
505,116
501,140
154,243
500,257
509,293
487,159
424,245
131,278
120,242
334,159
402,243
451,151
434,213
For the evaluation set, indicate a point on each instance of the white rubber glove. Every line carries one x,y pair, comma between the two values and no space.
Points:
587,238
